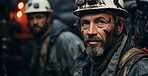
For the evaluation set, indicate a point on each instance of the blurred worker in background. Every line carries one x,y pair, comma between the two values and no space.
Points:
110,50
55,47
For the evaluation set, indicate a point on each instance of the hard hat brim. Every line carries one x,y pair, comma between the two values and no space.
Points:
116,11
33,11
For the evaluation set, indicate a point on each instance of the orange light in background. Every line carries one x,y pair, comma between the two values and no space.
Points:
20,5
19,14
133,36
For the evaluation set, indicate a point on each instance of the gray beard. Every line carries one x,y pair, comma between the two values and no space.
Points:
95,51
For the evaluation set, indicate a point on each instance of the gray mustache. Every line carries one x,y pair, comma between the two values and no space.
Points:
93,39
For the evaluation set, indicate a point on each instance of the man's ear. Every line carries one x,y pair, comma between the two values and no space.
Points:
120,27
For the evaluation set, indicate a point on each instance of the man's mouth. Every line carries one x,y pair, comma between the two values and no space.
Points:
88,41
93,42
36,28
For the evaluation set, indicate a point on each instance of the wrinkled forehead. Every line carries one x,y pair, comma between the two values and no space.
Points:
99,15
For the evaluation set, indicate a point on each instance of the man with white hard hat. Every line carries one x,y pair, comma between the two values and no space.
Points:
110,50
55,46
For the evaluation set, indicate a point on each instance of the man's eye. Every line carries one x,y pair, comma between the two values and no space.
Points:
85,23
101,21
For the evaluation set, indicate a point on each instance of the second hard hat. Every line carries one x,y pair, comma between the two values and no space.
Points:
33,6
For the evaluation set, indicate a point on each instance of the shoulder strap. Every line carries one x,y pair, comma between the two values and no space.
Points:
129,59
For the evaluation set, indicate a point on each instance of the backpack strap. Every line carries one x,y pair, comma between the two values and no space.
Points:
129,59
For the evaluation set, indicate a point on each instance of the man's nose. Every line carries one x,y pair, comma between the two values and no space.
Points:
34,21
92,29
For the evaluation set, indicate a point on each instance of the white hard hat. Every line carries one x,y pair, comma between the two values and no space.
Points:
94,6
38,6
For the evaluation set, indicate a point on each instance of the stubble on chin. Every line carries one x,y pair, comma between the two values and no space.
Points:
94,51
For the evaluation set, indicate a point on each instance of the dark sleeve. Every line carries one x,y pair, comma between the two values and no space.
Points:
69,47
139,69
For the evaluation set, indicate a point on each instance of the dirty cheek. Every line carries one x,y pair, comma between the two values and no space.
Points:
108,28
104,31
102,34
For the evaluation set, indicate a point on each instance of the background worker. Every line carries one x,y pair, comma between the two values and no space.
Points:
55,46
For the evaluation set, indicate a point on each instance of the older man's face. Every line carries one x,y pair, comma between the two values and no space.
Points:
96,29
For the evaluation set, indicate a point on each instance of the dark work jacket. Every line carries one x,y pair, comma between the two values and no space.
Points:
64,46
85,66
